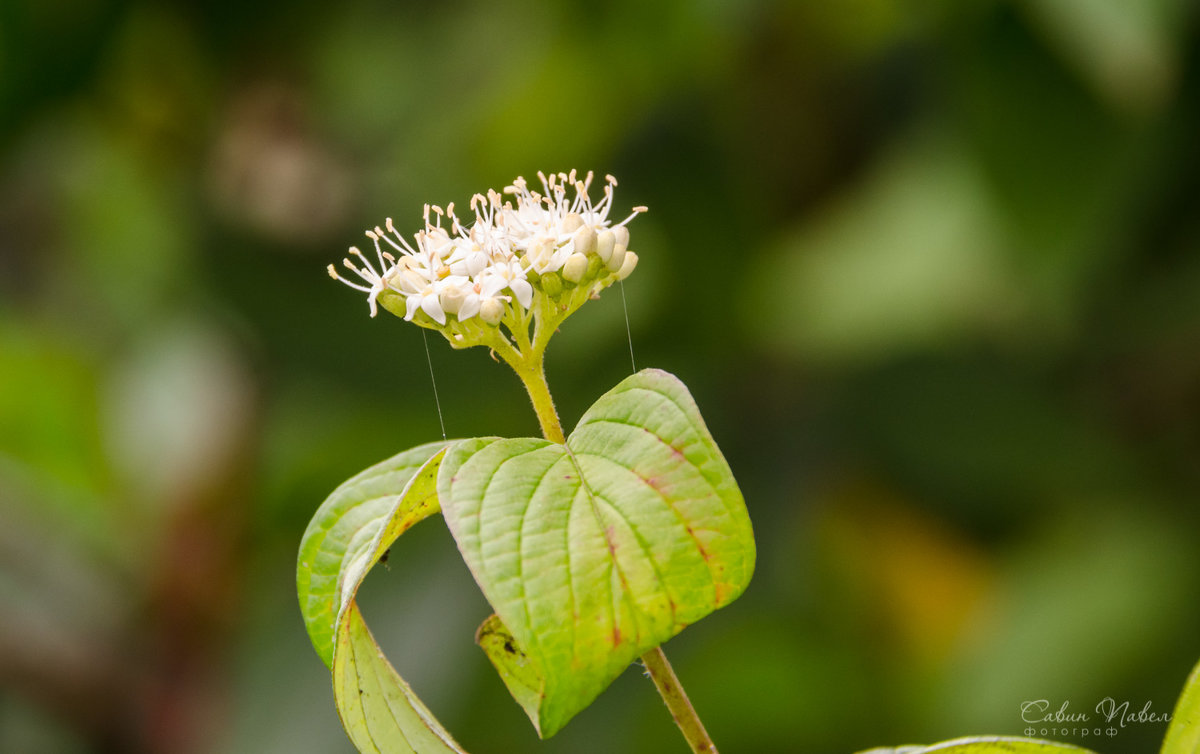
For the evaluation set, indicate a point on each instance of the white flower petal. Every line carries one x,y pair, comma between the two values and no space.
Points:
431,306
469,308
522,290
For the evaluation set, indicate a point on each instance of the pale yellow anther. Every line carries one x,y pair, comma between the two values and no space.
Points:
333,272
443,272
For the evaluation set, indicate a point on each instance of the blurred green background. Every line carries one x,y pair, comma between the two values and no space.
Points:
932,271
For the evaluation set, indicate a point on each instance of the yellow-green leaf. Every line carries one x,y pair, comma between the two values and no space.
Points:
346,538
1183,735
594,552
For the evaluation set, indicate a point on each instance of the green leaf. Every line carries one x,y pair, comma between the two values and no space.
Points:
346,538
595,552
1183,735
986,745
342,531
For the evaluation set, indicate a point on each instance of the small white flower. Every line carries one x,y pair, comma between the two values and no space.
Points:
480,293
509,275
468,258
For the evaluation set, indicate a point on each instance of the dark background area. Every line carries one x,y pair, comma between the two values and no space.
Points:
931,270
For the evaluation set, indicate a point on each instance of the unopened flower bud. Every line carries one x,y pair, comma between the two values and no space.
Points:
572,222
585,240
621,233
452,298
617,259
551,284
631,260
491,311
575,267
605,240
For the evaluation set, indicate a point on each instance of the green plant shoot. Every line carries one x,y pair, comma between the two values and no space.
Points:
594,548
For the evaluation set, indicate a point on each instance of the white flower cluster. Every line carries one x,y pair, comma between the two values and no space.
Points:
499,260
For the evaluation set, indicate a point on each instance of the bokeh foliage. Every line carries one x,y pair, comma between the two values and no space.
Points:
931,270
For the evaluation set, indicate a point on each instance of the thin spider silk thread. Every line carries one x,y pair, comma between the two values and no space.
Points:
436,401
628,335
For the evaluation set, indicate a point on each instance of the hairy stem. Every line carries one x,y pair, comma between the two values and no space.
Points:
530,367
532,372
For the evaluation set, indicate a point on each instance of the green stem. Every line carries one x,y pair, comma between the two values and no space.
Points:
530,367
532,372
669,688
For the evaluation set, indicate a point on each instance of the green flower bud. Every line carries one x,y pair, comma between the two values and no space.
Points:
551,284
575,267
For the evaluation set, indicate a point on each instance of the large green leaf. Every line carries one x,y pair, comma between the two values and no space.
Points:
595,552
348,535
987,745
1183,735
